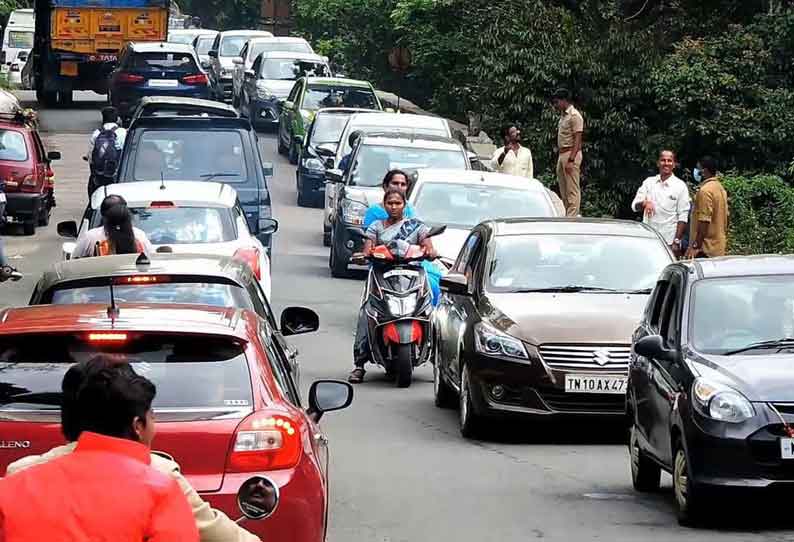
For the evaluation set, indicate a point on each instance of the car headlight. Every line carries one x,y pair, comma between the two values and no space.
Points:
720,402
313,164
353,212
402,306
490,342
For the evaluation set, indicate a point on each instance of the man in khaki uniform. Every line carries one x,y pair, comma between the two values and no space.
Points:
709,225
569,143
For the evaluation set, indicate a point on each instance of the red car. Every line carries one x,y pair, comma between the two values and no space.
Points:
25,173
227,408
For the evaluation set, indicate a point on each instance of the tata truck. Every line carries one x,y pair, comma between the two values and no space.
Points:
77,42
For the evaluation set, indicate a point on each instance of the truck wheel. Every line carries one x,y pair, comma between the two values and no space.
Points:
403,366
29,228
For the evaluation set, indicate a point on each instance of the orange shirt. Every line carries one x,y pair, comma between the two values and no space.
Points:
104,491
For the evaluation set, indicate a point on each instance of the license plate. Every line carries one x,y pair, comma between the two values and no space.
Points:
787,448
595,384
163,82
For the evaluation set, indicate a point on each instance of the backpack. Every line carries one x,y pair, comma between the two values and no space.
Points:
105,156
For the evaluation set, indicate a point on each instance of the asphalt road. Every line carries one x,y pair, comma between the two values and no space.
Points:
400,470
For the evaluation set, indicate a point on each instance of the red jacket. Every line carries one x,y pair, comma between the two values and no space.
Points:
104,491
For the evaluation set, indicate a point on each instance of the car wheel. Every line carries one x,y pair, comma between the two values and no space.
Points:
470,420
303,200
293,153
338,267
282,149
326,238
443,393
29,228
645,474
689,497
44,217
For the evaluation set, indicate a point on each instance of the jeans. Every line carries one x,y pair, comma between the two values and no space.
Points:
361,342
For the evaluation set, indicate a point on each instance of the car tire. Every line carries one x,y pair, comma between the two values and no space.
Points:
326,238
293,153
282,149
403,365
44,217
470,421
443,393
303,199
29,228
690,499
645,473
338,267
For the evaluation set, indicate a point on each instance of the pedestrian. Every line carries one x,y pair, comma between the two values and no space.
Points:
664,202
512,158
213,525
569,148
104,149
708,231
116,235
106,489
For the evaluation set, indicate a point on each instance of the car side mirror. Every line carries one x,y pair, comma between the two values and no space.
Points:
53,155
333,176
329,163
288,104
455,283
249,73
257,498
68,229
437,230
205,65
212,54
298,320
652,347
267,226
328,395
267,169
237,60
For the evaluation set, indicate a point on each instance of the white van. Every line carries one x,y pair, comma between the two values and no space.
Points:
17,35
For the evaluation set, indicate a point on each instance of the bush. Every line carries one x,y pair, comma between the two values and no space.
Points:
761,215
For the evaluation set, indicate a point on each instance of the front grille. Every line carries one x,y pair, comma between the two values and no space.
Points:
764,447
592,357
583,402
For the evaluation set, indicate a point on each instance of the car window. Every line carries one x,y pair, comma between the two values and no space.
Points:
31,369
204,44
373,160
656,304
278,365
288,47
13,147
156,61
667,322
231,45
328,128
320,96
294,92
20,39
216,155
182,225
216,42
201,293
465,255
38,145
257,63
244,51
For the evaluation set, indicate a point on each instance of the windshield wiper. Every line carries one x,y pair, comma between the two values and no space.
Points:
774,343
639,291
566,289
208,176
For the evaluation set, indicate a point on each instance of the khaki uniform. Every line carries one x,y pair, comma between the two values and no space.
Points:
711,205
213,525
571,122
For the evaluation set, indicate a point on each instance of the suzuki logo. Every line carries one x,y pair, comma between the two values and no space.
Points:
602,356
13,444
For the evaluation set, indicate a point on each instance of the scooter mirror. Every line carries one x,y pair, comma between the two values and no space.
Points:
437,230
257,498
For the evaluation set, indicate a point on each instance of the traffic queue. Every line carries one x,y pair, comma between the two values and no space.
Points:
524,313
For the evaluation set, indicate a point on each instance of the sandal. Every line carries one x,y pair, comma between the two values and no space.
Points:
356,375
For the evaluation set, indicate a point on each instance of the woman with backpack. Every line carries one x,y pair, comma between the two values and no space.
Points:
116,235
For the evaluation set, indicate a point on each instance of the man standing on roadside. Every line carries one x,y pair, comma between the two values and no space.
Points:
708,232
569,144
664,202
512,158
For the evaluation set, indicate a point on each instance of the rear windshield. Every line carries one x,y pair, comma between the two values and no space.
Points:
199,293
20,39
320,96
210,155
288,47
182,225
289,69
328,128
372,161
12,146
181,38
232,45
181,62
189,371
204,44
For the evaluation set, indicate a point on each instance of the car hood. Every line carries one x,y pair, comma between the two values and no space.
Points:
759,377
279,87
368,195
539,318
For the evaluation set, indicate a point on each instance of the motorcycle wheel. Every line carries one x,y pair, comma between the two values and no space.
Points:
403,365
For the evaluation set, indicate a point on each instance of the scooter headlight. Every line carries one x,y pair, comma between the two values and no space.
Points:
402,306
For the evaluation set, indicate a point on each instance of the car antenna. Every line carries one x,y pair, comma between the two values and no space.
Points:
113,310
162,180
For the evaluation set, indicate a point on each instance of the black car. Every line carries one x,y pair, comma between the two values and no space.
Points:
177,106
211,148
155,69
711,381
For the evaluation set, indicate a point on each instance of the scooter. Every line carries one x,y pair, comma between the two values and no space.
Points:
398,308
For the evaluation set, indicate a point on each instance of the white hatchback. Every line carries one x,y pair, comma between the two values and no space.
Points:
183,217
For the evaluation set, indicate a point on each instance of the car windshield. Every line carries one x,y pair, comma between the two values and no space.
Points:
328,128
181,38
438,130
232,45
12,146
289,69
31,369
373,161
320,96
199,293
570,262
182,225
728,314
18,39
466,205
204,44
287,47
190,155
182,62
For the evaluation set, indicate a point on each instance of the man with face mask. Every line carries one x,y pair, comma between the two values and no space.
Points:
708,232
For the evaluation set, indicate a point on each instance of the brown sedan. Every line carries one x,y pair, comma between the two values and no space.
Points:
537,315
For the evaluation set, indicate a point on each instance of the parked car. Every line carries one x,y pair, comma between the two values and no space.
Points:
257,46
266,85
190,217
173,106
26,173
361,185
310,94
317,152
202,149
15,68
227,406
536,316
711,385
155,69
202,44
218,281
460,200
379,123
186,36
225,49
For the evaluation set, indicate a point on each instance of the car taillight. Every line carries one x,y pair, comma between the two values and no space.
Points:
142,279
129,78
107,337
265,441
251,257
195,79
161,204
29,180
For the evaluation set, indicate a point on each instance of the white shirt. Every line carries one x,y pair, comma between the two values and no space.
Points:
671,204
514,164
121,135
86,243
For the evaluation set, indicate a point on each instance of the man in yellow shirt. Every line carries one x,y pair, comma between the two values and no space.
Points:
709,225
569,144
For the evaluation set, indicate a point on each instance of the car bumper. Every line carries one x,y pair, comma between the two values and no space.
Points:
226,88
23,206
311,182
265,111
509,388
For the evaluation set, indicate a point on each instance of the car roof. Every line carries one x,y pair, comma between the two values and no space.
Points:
472,177
389,120
741,266
262,33
157,46
290,54
338,81
193,104
408,139
181,193
572,226
183,319
122,265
